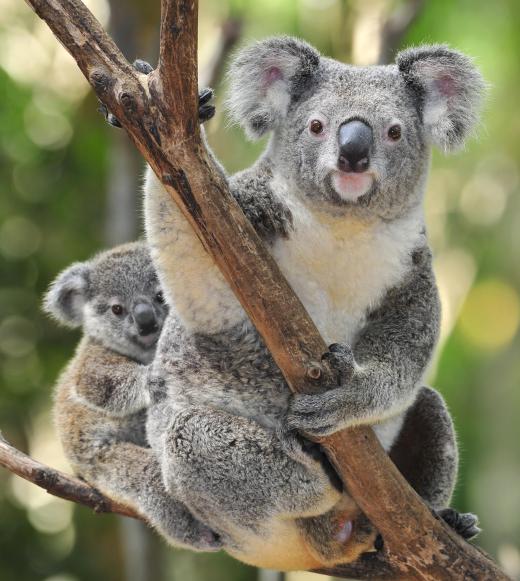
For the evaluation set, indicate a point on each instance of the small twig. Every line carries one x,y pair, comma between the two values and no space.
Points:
59,484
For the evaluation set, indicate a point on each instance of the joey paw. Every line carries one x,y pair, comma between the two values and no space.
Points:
207,540
463,523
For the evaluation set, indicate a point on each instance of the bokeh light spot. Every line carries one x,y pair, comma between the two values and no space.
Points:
490,316
483,200
19,237
17,336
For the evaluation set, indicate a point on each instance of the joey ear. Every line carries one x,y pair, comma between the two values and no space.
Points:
450,89
264,78
67,295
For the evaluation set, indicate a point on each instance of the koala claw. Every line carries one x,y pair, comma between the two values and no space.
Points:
463,523
206,111
208,541
142,66
324,413
341,359
109,117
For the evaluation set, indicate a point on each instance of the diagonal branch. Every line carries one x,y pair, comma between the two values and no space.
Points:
159,114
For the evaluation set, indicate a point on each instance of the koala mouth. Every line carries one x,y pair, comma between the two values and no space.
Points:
351,186
147,341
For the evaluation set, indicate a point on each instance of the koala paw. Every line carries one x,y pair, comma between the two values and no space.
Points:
180,528
157,389
325,413
463,523
340,357
206,111
202,538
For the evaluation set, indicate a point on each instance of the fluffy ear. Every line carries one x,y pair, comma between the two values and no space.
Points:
450,89
265,77
67,295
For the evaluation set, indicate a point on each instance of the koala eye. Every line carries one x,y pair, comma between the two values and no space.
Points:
394,132
159,297
316,126
117,309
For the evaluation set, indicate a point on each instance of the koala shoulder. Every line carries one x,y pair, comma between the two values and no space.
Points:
269,215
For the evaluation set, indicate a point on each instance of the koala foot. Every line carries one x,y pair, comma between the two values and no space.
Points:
463,523
206,111
180,528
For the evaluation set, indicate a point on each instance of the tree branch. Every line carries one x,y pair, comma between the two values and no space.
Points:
57,483
159,112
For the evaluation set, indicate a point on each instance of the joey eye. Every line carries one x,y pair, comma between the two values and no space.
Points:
394,132
159,297
316,126
117,309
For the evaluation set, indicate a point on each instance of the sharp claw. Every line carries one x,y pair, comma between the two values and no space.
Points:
205,95
206,112
109,117
142,66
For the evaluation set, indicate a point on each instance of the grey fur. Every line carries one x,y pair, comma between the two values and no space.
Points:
102,396
224,422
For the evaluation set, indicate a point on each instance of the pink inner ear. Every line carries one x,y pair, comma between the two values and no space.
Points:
446,85
272,75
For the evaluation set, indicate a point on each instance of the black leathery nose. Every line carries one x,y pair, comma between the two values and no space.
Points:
355,141
144,316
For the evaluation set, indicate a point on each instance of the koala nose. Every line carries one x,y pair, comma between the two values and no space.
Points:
355,140
145,319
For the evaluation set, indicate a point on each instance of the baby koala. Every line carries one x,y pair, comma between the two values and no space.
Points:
102,396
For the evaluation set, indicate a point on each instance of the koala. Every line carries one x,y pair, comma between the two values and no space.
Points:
337,195
102,396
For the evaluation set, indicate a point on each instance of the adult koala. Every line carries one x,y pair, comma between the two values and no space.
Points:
337,194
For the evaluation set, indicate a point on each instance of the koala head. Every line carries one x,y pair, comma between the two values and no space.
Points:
354,137
115,297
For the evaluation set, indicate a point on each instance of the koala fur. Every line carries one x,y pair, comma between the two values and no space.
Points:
352,244
102,396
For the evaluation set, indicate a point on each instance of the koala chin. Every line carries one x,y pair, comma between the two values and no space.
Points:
338,197
102,396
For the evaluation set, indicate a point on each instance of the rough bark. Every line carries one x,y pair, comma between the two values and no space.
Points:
159,112
57,483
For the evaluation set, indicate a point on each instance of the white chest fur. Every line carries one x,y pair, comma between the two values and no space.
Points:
341,266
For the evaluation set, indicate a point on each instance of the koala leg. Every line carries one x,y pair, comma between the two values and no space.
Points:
234,473
427,456
334,538
132,475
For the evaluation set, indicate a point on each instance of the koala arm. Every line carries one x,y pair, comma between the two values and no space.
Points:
268,214
380,376
112,382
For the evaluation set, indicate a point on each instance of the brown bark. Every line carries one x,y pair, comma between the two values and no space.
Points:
159,112
57,483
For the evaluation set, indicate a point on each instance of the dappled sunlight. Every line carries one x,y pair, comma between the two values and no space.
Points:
490,316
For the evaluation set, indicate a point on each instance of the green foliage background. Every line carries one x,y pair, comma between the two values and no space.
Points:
54,170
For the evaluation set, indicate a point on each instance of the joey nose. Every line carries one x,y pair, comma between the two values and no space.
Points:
355,140
145,319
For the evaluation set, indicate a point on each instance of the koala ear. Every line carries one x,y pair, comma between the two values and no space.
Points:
450,89
264,78
67,295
